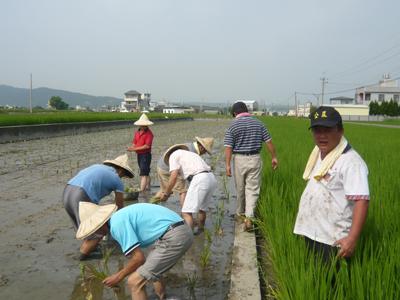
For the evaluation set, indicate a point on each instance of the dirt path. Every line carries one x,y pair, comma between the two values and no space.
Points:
38,254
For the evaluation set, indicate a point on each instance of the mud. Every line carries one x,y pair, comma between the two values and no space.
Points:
38,254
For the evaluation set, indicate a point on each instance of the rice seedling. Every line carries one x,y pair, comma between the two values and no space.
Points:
218,218
191,283
205,256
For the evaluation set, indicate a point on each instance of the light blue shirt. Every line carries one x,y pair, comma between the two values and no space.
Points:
98,181
140,225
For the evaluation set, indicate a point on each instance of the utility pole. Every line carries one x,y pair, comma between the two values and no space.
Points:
295,103
324,81
30,97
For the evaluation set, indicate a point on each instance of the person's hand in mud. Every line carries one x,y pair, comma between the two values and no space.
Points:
113,280
164,196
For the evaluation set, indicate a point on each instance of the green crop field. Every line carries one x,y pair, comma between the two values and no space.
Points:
17,118
374,271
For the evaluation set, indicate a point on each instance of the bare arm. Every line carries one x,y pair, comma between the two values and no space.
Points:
137,259
119,199
348,244
271,150
228,157
134,148
171,183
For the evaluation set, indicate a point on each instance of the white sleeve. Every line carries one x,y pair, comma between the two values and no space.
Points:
355,181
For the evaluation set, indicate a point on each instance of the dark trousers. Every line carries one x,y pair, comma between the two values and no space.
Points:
144,161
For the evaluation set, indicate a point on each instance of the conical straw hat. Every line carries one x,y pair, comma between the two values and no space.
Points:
121,161
92,217
206,142
172,149
143,121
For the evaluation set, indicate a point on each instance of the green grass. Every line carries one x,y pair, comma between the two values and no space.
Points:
374,272
16,118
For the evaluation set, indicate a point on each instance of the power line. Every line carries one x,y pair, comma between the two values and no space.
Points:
367,61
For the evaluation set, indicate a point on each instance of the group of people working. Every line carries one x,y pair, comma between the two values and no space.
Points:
332,209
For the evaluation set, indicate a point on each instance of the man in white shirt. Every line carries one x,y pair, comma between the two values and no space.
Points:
202,182
334,205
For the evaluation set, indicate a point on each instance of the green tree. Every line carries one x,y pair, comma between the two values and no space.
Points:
57,103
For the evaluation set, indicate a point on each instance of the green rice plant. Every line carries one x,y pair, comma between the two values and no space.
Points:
373,272
191,282
100,272
225,187
208,236
205,256
218,218
49,117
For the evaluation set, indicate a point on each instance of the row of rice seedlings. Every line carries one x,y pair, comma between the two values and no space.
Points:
205,254
373,272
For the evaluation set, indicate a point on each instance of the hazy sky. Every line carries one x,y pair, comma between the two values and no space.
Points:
210,50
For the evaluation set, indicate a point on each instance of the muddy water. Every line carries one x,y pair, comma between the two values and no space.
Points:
38,253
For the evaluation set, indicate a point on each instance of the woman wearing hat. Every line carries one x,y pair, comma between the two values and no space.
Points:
141,144
91,185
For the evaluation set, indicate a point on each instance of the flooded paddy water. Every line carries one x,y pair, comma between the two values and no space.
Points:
39,252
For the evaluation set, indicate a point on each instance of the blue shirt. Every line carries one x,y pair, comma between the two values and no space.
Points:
140,225
246,134
98,181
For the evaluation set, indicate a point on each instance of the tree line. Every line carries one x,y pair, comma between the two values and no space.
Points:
388,108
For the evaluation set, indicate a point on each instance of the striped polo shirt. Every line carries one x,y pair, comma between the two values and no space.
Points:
246,134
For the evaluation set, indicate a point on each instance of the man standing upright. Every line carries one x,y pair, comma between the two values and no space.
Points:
243,140
334,204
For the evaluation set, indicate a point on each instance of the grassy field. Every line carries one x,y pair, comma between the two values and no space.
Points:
17,118
374,272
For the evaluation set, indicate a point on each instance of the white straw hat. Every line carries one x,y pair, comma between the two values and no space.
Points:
121,161
143,121
172,149
92,217
206,142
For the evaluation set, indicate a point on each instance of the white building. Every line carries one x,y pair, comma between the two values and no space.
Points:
252,105
174,110
135,101
303,110
387,89
341,100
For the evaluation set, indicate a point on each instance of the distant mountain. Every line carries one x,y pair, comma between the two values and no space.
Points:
40,96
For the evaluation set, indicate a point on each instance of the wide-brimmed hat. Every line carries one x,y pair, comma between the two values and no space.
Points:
143,121
171,149
121,161
92,217
206,142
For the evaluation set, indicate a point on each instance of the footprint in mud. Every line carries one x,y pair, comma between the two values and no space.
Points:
3,280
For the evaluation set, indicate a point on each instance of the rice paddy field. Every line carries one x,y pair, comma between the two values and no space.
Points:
288,272
23,118
39,252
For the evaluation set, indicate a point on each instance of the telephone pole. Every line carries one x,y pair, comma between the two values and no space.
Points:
30,97
324,81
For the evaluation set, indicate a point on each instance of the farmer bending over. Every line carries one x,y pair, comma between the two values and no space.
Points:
91,185
135,227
